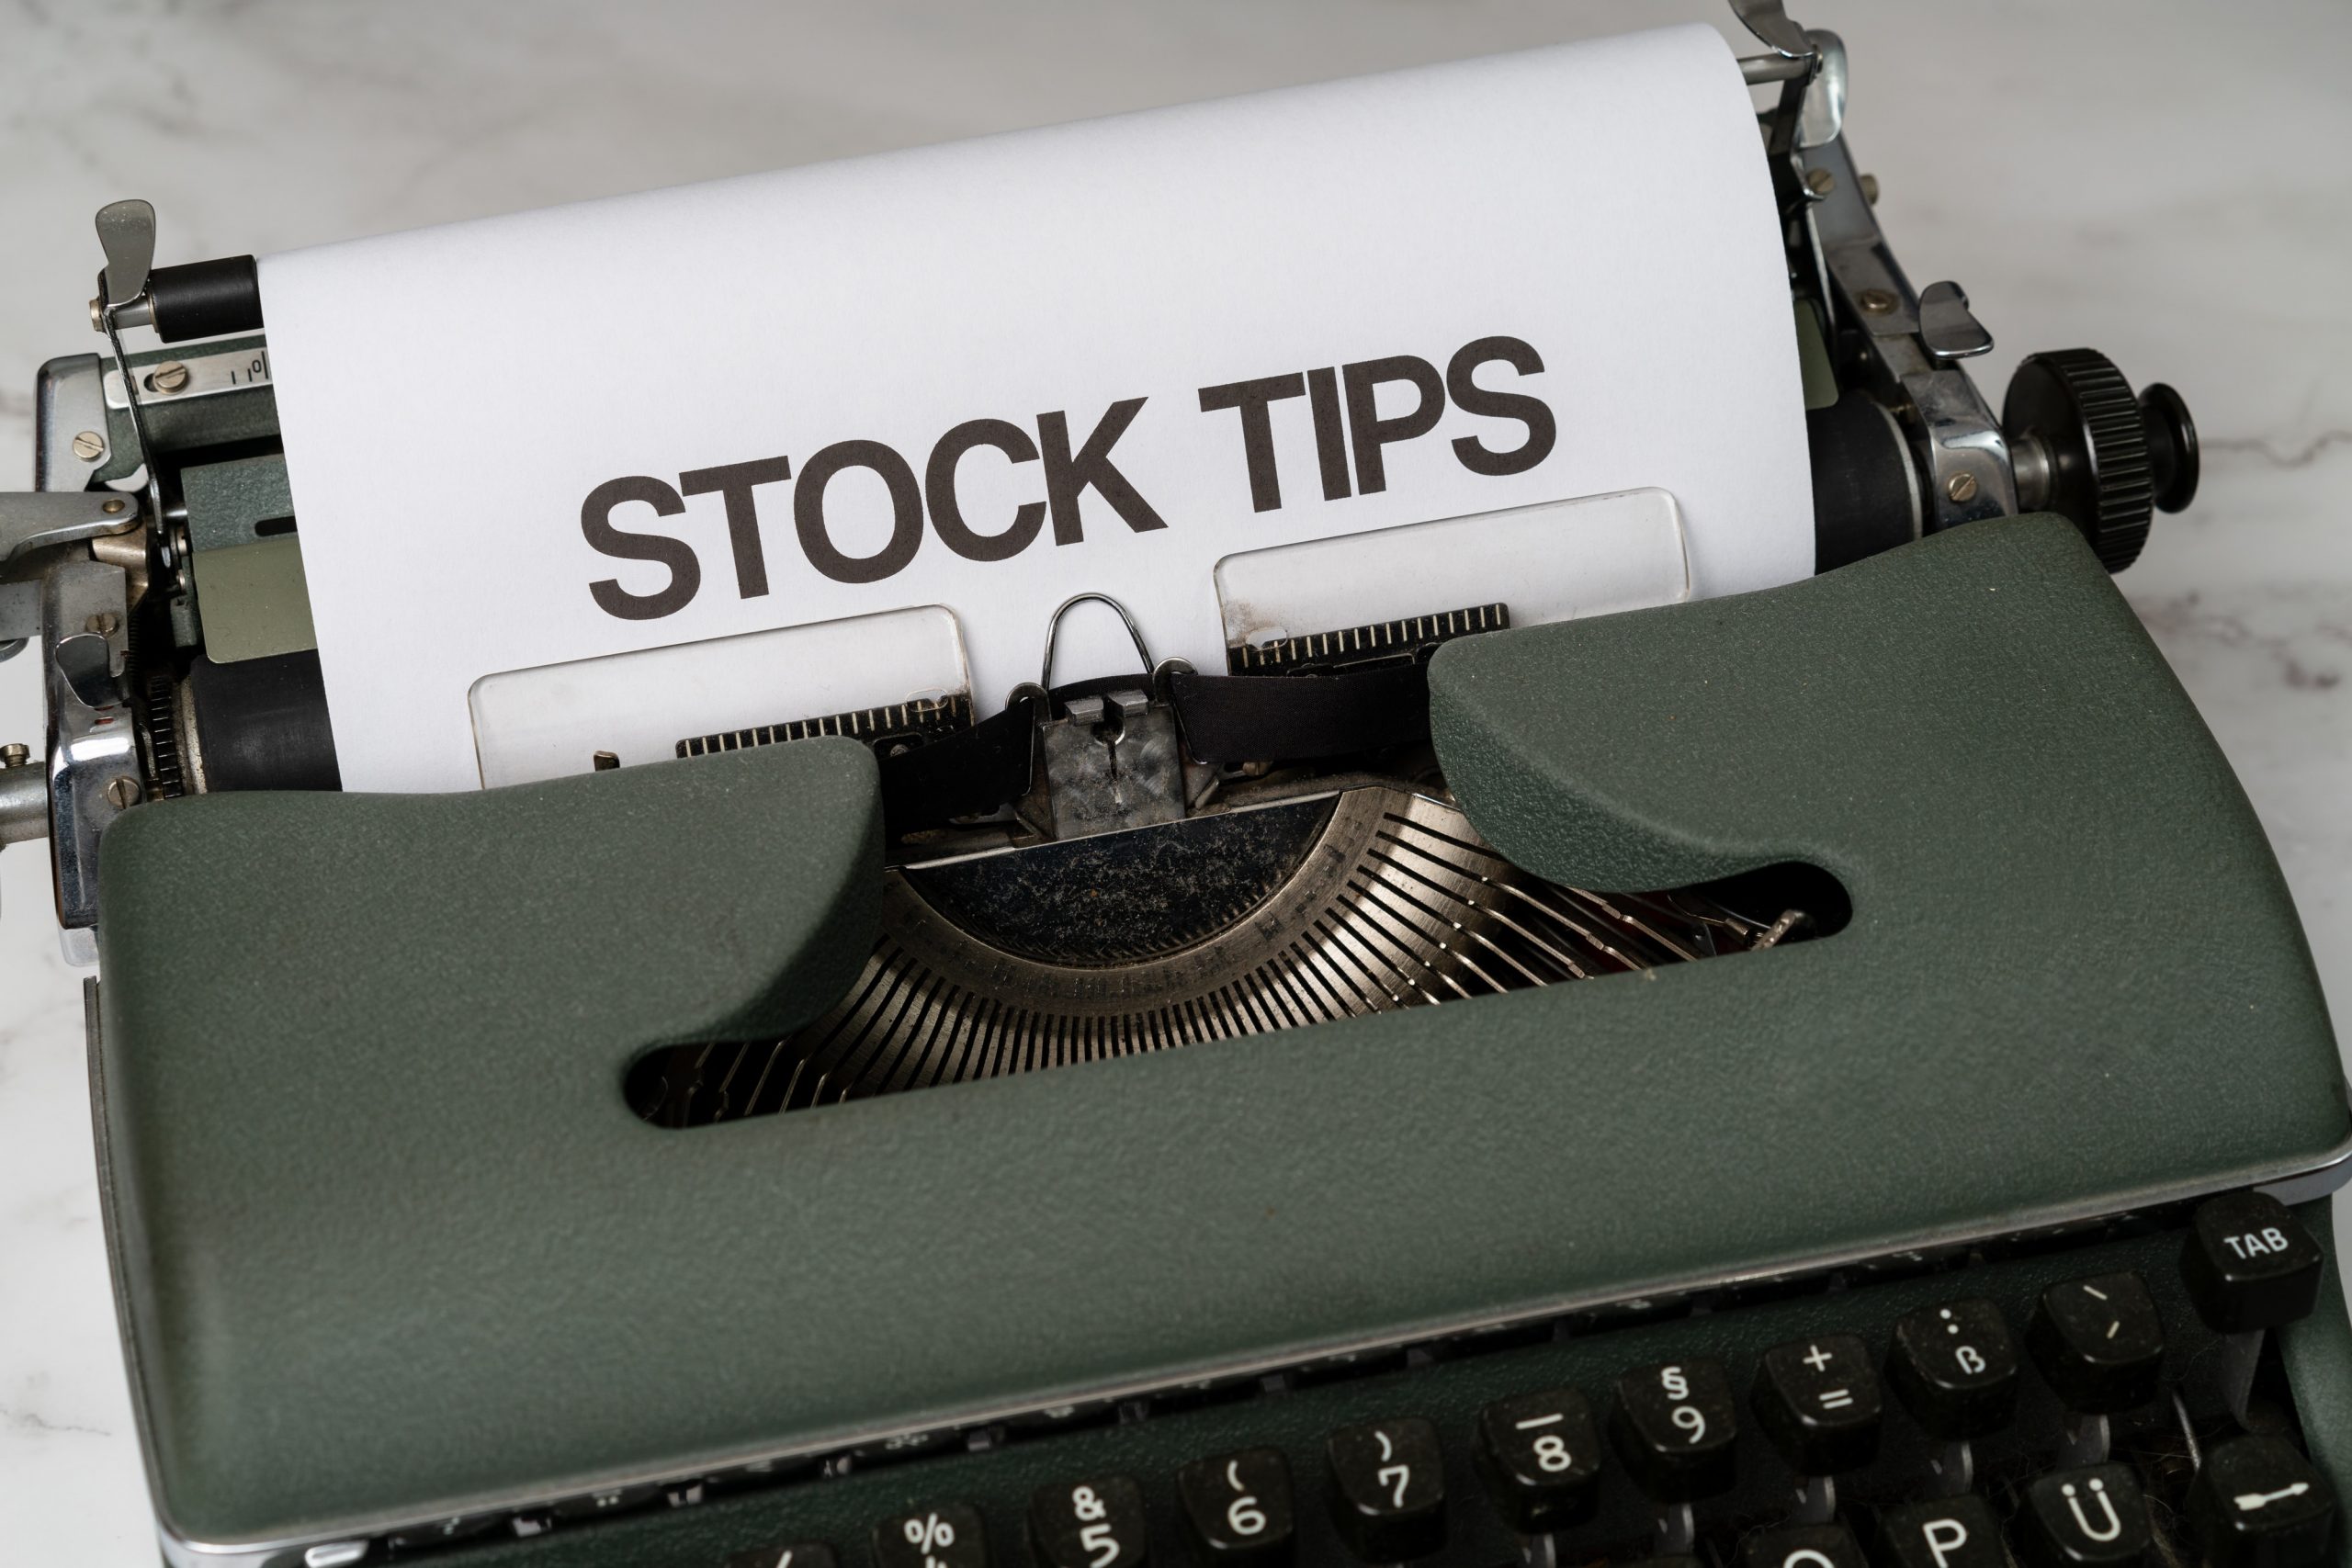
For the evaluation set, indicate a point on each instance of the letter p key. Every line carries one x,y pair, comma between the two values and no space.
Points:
1948,1532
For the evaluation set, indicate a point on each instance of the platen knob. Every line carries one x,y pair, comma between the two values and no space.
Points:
2086,449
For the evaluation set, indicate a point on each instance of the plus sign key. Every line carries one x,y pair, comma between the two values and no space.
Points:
950,1535
1818,1401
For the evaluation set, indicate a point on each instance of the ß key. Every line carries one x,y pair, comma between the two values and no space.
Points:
1818,1401
2258,1504
2092,1517
2099,1342
1539,1455
1097,1523
1674,1426
1956,1368
2250,1264
1388,1489
1238,1507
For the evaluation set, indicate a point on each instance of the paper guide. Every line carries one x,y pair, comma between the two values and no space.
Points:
988,376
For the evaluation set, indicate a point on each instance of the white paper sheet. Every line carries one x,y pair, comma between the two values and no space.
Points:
470,411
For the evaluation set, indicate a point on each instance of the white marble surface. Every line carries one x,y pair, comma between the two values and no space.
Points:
2157,181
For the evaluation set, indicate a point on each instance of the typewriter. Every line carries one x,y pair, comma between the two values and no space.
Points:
1175,1121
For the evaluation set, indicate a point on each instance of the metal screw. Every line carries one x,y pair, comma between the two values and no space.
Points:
98,314
114,508
123,790
1875,302
1869,189
15,754
89,446
102,623
169,376
1821,182
1960,486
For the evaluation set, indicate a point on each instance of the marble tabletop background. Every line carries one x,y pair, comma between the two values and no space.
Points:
2160,181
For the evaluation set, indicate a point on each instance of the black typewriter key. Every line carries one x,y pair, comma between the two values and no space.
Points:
1956,1368
2091,1518
1388,1489
798,1554
1675,1426
1239,1506
2249,1264
1818,1401
2099,1342
2258,1504
1088,1524
950,1535
1802,1546
1950,1532
1539,1454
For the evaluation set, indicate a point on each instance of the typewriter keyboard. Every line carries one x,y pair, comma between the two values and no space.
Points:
2110,1399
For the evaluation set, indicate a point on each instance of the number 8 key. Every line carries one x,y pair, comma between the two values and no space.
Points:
1540,1457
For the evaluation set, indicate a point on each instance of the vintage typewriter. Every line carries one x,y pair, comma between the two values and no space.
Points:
716,1163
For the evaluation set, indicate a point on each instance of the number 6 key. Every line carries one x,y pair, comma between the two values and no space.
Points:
1388,1489
1237,1508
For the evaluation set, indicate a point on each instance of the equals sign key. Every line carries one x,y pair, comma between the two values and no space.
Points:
1819,1401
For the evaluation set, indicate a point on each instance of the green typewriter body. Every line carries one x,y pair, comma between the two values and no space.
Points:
402,1263
1827,1077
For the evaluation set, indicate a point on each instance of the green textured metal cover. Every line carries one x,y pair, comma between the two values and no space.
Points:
391,1244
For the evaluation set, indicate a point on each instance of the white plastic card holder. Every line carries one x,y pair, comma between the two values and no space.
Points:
554,720
1551,562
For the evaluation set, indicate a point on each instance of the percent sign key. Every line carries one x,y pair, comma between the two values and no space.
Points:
948,1537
